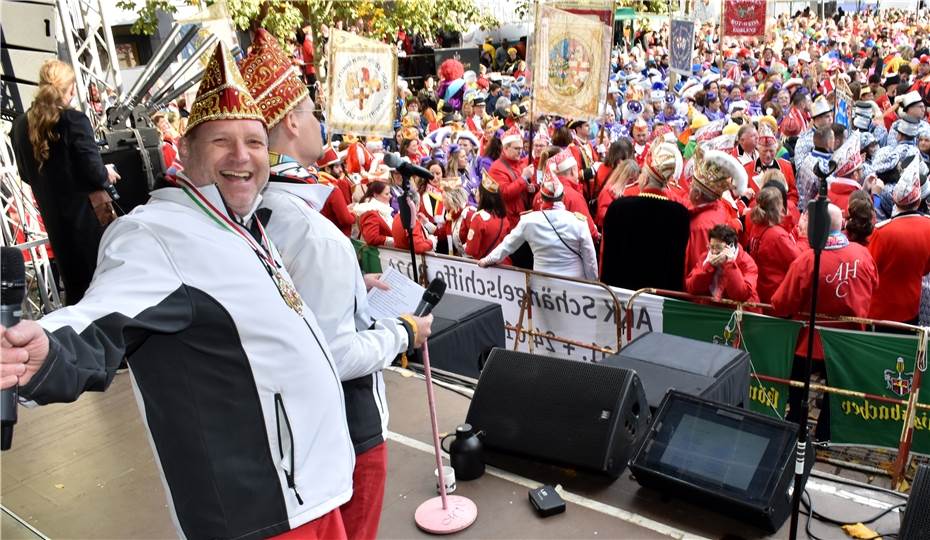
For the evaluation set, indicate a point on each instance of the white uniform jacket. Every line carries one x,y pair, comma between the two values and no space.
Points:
561,244
238,392
323,264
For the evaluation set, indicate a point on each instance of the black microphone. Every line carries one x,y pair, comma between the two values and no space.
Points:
12,291
431,296
405,167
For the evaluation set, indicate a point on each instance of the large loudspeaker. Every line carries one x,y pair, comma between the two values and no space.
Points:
915,524
123,151
564,411
663,361
722,458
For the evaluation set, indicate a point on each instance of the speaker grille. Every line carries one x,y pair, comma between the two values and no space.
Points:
916,522
555,409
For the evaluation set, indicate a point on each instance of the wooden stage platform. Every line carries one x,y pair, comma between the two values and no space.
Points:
85,470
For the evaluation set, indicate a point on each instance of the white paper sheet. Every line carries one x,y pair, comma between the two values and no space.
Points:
403,296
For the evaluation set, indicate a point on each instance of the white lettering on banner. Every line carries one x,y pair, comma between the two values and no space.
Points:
567,309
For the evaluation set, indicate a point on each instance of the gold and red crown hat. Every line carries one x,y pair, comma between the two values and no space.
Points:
272,79
223,95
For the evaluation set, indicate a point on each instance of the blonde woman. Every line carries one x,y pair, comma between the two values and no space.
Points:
57,155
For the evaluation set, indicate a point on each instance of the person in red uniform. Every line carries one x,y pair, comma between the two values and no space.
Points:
770,245
562,165
624,173
513,176
489,226
847,178
847,280
714,173
332,172
583,152
901,249
640,140
375,215
768,147
727,271
456,217
422,240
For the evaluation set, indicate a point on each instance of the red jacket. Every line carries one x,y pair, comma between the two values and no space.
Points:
374,230
336,210
773,249
485,232
735,280
901,249
839,192
847,280
703,219
421,244
507,174
604,201
342,184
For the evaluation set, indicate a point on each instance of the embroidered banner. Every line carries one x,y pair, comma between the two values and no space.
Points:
681,46
362,86
571,56
744,18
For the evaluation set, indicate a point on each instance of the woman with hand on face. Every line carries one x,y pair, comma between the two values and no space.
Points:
727,272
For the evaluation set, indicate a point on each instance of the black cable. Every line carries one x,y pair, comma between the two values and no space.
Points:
809,504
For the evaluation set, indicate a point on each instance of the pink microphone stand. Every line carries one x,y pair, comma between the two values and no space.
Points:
444,514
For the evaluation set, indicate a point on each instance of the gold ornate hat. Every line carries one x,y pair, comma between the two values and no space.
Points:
717,171
223,95
489,184
271,78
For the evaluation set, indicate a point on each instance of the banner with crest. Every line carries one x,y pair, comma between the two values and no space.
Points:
362,86
878,364
571,55
681,46
744,18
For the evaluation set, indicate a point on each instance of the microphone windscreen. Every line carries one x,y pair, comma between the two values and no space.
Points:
13,276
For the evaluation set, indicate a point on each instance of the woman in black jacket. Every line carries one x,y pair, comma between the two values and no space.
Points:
58,157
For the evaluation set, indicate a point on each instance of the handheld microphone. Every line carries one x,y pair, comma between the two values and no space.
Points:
12,291
405,167
431,296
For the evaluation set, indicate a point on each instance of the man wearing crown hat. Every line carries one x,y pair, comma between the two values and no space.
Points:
821,115
218,385
324,266
901,249
560,240
715,173
661,225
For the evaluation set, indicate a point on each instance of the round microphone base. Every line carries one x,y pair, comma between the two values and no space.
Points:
431,517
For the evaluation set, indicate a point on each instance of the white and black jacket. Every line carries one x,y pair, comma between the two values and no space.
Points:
239,393
325,269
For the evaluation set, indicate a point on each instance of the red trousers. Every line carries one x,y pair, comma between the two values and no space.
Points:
326,527
363,511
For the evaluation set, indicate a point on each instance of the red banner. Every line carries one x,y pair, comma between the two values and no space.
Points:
744,18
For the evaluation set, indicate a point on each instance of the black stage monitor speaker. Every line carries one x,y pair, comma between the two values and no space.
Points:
564,411
123,151
915,524
722,458
663,362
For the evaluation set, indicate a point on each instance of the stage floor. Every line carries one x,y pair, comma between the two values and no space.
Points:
85,470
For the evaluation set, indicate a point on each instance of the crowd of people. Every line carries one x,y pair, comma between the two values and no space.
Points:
697,184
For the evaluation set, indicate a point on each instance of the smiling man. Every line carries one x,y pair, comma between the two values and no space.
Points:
237,387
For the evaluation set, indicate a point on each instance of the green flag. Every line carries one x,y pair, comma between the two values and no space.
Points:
879,364
770,342
368,257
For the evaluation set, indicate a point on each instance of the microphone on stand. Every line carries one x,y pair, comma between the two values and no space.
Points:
431,296
12,291
405,167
